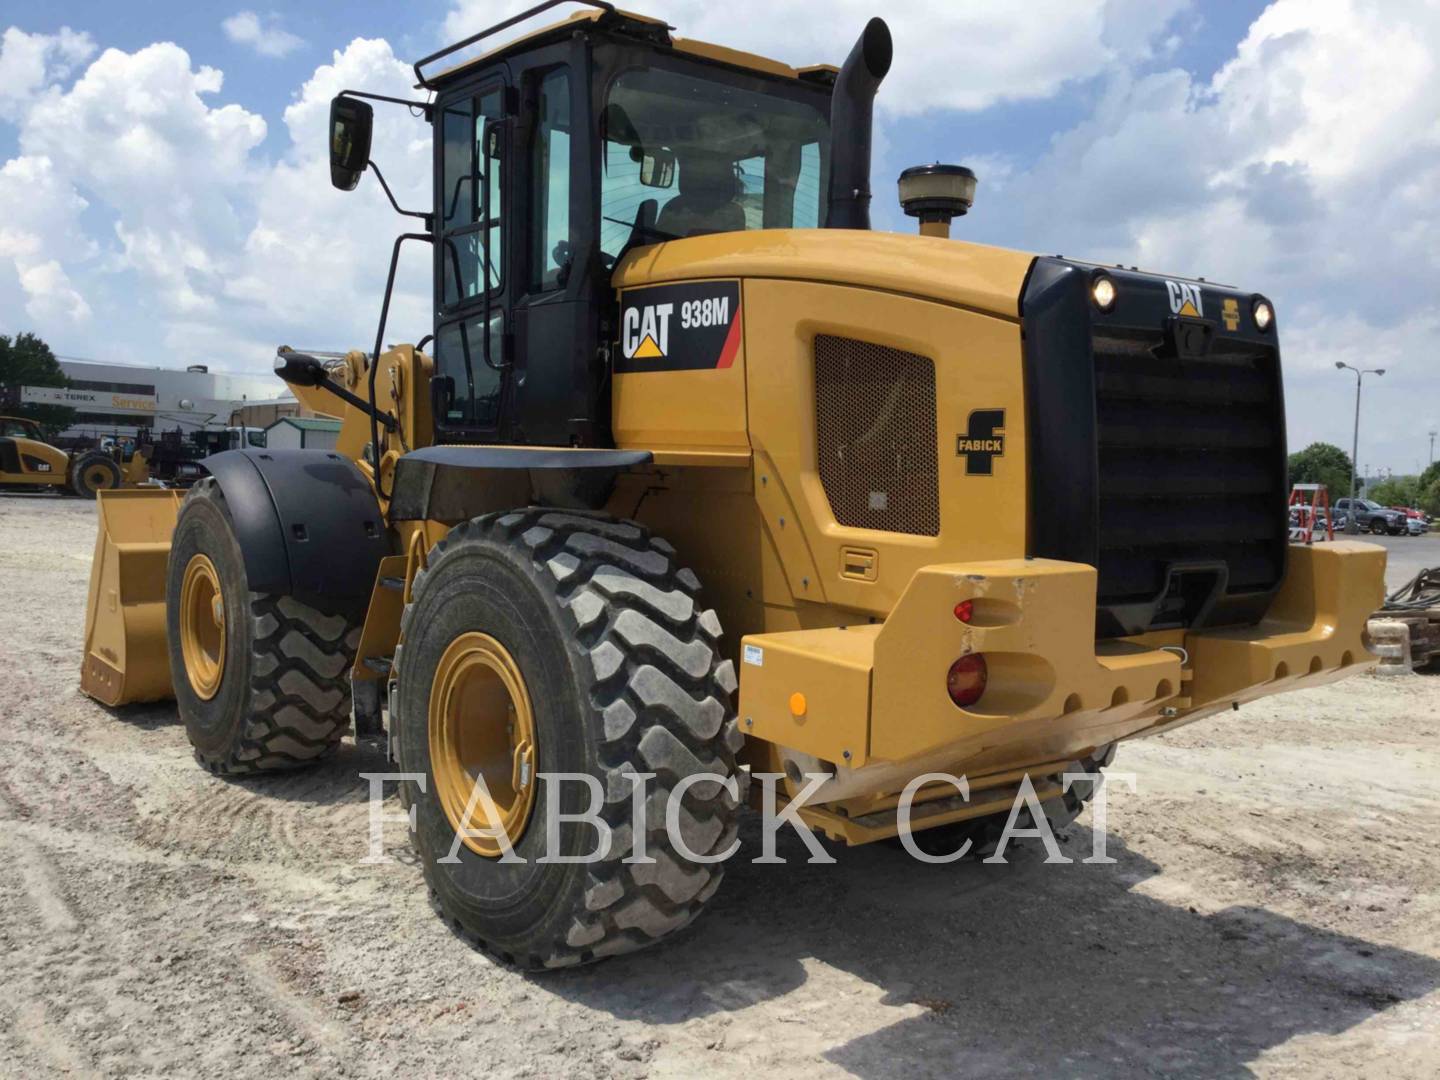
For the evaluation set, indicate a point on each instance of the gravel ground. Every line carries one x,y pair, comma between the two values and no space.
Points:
1273,910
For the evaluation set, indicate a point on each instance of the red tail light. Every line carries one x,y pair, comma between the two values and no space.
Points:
966,680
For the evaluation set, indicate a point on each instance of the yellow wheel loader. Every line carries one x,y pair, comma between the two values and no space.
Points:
28,461
696,478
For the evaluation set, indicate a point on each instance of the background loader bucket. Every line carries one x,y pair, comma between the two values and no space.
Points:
126,658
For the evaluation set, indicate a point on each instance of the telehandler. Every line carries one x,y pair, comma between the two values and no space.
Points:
695,475
28,461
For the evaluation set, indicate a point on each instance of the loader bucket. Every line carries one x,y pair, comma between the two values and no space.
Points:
126,658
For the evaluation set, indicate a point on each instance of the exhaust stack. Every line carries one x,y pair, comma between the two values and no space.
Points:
852,107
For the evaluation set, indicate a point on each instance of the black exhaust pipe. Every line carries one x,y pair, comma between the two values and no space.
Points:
852,108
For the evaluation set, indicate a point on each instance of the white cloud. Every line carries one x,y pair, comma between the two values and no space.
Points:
265,36
39,215
947,54
315,260
31,62
1304,169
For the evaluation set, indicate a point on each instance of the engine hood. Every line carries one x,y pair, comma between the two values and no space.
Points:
973,276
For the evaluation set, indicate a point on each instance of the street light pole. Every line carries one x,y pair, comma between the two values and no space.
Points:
1352,519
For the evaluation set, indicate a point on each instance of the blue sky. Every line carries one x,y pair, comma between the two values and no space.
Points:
162,185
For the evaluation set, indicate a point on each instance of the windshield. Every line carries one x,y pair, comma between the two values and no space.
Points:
690,156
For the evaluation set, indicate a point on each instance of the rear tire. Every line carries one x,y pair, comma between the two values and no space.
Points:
622,672
93,472
281,695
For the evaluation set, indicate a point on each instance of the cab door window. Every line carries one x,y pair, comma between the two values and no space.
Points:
472,210
550,258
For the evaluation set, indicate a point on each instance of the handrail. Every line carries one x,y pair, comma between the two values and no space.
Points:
473,38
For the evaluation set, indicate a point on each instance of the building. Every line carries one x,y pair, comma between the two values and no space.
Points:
302,433
121,399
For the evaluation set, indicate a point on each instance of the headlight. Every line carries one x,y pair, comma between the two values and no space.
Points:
1264,314
1102,291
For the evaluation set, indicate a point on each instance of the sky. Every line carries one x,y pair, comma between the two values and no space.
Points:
164,195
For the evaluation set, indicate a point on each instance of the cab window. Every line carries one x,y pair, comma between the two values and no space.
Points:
698,156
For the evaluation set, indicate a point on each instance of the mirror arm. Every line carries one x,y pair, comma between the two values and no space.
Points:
375,356
428,219
424,106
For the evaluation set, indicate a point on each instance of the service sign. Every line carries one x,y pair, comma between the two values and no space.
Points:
693,326
87,399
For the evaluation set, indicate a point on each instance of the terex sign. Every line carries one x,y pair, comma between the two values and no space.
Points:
83,399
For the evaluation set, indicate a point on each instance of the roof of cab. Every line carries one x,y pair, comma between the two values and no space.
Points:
719,53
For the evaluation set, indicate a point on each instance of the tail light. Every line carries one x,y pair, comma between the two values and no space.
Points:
966,679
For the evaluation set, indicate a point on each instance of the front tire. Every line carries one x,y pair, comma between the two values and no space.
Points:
261,679
93,472
613,667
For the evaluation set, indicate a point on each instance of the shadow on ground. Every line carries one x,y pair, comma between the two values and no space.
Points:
1054,969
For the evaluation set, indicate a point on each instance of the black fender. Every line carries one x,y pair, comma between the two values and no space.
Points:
450,483
307,523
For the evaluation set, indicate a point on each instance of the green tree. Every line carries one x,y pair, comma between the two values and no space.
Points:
1397,491
1322,463
1430,497
1429,477
25,360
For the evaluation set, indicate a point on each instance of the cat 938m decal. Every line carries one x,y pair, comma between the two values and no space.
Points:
686,327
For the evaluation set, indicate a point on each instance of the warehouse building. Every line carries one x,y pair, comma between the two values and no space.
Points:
121,399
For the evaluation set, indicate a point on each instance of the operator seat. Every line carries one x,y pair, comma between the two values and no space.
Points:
706,203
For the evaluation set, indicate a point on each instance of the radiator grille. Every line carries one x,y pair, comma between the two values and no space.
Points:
875,436
1191,466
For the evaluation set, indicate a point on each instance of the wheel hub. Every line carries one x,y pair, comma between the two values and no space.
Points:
481,726
202,626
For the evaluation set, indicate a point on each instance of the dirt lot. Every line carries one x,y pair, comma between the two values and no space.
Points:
1274,910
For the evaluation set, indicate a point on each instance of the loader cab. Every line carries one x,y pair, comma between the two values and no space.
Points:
558,155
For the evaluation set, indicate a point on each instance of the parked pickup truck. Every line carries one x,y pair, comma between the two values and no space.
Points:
1373,517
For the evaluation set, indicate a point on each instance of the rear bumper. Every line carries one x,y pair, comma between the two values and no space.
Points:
876,712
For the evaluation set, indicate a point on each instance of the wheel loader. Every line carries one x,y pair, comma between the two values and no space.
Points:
697,479
28,461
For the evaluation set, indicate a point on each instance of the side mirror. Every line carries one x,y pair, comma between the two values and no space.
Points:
351,121
657,167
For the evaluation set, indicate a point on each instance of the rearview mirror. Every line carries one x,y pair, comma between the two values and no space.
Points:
350,123
657,167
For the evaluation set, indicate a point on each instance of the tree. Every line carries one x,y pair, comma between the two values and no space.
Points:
1322,463
1396,491
1429,477
28,361
1430,497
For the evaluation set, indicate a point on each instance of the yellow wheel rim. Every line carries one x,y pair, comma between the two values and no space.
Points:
481,725
202,626
97,478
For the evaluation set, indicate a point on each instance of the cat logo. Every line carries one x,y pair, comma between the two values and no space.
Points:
983,441
1230,312
1185,299
645,332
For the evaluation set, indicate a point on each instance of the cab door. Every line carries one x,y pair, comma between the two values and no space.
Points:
473,357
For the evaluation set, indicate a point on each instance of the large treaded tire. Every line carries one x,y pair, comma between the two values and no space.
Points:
76,478
623,666
284,696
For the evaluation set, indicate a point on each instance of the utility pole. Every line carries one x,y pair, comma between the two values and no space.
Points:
1432,448
1352,520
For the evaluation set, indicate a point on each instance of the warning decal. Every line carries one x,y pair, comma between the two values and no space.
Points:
685,327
